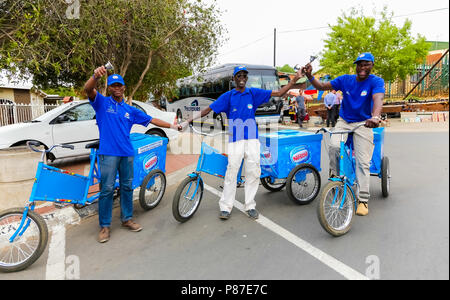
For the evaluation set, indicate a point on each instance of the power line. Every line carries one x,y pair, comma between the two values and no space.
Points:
325,27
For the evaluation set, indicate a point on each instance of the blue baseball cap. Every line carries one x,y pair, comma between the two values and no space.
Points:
238,69
115,78
365,56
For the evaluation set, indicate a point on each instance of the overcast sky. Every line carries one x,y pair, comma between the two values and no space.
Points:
250,25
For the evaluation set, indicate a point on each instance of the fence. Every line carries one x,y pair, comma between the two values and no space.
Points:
12,113
434,85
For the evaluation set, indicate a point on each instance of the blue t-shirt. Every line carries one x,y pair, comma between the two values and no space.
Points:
357,103
240,109
114,122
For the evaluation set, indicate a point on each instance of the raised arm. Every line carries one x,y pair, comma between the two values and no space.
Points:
321,86
89,86
287,87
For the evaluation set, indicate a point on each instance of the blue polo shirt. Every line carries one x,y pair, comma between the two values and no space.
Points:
114,122
357,103
240,109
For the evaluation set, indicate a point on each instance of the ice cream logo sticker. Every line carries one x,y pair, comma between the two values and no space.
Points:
299,154
150,162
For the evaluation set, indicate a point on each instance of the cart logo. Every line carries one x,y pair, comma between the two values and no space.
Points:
268,158
299,154
150,162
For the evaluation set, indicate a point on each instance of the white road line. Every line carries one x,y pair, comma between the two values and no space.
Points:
56,269
323,257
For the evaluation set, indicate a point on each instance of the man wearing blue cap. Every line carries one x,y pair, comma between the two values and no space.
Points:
115,119
240,106
363,101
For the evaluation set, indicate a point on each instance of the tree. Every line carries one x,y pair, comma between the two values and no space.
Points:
286,68
396,52
151,43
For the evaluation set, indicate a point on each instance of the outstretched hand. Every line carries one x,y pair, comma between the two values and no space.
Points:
100,72
184,125
177,127
307,70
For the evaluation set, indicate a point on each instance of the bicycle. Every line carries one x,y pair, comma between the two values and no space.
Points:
302,182
338,201
24,233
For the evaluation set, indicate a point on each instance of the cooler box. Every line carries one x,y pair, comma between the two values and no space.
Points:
282,151
149,154
378,153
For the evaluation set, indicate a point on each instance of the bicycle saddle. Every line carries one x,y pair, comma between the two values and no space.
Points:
94,145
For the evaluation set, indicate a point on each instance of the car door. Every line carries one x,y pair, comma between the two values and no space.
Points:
76,126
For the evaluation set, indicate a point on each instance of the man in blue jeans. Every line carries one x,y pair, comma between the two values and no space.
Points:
115,119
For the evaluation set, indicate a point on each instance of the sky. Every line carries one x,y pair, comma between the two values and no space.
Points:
302,26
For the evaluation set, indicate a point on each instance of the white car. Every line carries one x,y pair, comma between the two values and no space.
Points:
74,123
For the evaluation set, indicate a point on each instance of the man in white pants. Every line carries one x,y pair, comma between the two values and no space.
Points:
240,105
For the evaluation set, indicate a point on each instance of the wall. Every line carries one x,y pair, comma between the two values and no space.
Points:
7,94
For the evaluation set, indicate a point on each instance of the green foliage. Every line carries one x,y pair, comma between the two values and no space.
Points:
286,68
150,42
396,52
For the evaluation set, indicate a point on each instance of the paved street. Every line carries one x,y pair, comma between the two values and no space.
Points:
405,236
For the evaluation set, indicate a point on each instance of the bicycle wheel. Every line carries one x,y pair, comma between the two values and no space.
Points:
25,249
277,186
335,220
385,177
303,184
152,190
187,198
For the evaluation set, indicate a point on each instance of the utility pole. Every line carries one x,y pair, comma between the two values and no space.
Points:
274,47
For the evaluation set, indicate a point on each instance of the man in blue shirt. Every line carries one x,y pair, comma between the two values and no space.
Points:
363,101
240,105
329,101
115,119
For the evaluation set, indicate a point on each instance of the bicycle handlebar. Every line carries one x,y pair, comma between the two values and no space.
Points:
207,134
32,144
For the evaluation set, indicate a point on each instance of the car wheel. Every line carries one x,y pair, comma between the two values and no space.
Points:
179,117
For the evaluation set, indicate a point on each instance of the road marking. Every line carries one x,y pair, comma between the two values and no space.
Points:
323,257
56,268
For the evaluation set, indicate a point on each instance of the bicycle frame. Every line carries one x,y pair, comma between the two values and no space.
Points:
347,179
92,179
346,167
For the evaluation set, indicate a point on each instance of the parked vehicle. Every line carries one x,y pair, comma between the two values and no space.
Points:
74,123
198,92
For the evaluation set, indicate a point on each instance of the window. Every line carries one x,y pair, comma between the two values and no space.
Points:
83,112
138,107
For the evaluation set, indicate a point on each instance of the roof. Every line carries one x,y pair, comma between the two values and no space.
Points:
13,82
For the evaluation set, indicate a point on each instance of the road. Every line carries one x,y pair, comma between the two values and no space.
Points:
405,236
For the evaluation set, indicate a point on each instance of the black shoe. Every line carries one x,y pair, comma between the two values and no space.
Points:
252,213
224,215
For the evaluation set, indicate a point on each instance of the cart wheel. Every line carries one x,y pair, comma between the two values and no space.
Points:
25,249
152,189
187,198
385,177
303,184
335,220
273,187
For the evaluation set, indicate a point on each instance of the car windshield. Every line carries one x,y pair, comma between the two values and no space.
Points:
263,79
56,110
